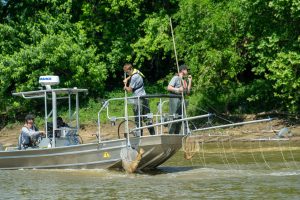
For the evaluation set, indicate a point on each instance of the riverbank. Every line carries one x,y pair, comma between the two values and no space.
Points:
9,134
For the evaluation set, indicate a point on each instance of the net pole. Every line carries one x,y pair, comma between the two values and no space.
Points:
183,106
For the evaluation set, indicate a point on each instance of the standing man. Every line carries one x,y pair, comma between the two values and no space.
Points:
178,85
136,86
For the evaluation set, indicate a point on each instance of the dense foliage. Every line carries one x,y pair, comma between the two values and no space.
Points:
244,55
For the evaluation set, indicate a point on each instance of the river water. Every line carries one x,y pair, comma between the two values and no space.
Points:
220,173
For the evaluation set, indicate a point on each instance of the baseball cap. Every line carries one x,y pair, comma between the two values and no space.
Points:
29,117
183,67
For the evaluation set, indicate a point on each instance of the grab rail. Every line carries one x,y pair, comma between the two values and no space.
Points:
159,115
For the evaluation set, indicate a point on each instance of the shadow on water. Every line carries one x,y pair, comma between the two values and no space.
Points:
168,170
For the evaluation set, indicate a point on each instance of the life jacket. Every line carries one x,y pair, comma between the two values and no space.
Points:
136,71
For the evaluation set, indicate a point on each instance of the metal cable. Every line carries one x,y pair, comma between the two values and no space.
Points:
293,158
284,160
234,156
251,150
262,155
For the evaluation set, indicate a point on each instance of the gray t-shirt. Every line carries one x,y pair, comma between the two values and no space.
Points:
137,85
175,82
32,132
27,133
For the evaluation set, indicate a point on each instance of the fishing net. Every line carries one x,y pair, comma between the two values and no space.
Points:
131,159
257,149
190,146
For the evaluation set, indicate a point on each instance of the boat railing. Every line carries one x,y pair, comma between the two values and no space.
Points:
159,116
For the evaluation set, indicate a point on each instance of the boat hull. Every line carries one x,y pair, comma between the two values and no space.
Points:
103,155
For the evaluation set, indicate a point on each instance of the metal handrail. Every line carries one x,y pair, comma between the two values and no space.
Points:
158,113
233,124
174,121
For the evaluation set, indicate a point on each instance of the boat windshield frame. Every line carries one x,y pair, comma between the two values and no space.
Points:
53,95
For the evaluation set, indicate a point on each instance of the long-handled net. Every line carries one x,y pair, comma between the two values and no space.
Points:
131,159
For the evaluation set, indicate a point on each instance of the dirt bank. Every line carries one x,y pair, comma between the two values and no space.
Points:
9,135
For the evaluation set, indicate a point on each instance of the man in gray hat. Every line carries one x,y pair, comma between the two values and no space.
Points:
178,85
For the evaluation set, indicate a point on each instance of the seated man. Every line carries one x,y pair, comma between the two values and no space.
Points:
61,123
29,133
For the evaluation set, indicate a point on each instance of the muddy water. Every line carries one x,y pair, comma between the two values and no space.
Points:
218,171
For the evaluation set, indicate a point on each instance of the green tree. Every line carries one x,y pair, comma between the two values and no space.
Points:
44,41
272,45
